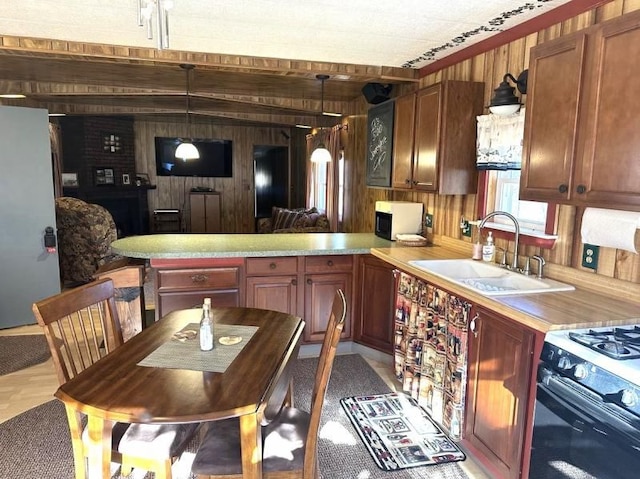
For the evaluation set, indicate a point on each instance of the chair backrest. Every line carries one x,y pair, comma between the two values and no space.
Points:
81,326
323,373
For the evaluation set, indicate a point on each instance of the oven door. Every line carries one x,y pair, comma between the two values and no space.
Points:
384,225
578,434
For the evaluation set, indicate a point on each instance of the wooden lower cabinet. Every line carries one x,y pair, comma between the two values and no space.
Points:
303,286
375,301
500,392
183,284
319,291
272,283
205,212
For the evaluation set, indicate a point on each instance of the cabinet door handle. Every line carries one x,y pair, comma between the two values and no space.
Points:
472,325
199,278
294,282
272,266
309,281
581,189
407,181
563,188
329,263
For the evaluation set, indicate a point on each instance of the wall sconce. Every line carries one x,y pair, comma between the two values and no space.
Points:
504,101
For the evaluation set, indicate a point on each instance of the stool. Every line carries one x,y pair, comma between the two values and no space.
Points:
167,221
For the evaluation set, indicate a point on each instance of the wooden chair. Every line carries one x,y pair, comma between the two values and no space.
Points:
81,326
128,282
290,441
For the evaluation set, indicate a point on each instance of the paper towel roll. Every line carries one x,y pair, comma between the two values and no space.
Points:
610,228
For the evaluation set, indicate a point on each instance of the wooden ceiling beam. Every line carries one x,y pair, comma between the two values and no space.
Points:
49,48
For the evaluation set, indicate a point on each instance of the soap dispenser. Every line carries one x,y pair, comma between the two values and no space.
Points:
489,249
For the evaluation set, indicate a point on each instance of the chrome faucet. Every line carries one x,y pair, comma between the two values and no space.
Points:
514,264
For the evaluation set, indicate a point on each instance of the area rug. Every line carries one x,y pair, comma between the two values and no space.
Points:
23,351
398,433
36,444
341,452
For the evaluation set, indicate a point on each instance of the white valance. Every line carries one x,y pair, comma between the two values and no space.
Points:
499,141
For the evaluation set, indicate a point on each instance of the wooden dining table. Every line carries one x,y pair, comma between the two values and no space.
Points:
117,388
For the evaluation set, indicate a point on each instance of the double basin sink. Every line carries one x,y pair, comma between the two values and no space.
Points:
488,278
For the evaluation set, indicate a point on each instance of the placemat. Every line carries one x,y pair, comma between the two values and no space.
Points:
398,432
176,354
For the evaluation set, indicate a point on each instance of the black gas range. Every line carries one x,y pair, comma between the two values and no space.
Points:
587,415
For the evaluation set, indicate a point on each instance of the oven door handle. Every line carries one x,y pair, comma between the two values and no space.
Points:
604,415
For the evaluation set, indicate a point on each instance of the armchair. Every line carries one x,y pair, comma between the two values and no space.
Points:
85,234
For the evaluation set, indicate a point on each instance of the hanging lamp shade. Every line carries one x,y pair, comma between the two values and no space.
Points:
187,150
321,154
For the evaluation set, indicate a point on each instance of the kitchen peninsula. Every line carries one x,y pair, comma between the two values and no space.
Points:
296,273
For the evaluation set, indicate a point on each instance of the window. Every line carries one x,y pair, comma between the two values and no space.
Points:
319,186
502,193
341,186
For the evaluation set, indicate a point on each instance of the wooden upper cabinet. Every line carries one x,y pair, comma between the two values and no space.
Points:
404,123
435,138
427,138
581,144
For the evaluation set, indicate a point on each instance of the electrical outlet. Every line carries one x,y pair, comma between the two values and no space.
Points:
466,228
428,220
590,256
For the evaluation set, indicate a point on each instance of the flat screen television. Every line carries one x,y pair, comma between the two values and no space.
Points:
216,158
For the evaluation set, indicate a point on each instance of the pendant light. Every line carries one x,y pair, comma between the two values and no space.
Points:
187,150
321,154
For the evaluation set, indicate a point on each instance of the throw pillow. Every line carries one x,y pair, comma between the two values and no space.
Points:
282,218
286,218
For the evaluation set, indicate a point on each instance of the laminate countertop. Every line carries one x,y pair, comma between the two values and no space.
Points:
172,246
582,308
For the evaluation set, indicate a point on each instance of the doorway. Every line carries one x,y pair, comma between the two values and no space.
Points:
271,178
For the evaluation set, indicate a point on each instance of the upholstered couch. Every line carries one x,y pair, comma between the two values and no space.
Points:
299,220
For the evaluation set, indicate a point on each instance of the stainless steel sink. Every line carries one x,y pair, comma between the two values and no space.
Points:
488,278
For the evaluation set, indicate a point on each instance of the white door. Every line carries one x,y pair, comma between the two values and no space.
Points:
27,272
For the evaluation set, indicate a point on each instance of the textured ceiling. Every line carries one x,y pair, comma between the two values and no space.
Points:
256,61
370,32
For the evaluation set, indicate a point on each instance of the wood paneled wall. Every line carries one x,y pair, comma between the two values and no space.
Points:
237,193
447,210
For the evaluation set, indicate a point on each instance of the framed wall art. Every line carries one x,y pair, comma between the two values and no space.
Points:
380,144
70,180
104,176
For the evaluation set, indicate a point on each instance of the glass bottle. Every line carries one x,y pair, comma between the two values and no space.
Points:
206,326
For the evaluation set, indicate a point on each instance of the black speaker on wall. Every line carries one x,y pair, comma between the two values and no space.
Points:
376,93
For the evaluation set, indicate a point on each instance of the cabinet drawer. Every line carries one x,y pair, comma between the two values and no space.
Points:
266,266
200,278
327,264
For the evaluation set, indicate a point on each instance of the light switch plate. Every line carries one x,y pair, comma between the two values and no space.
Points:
590,256
428,220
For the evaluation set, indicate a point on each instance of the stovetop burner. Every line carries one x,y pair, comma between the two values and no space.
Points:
616,343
